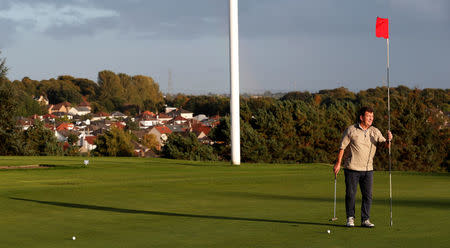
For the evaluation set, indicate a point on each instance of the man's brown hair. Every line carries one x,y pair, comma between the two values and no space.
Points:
363,111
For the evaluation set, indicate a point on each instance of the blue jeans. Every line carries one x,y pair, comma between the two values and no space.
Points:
365,180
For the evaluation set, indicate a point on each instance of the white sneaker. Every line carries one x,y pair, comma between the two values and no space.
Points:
350,221
367,223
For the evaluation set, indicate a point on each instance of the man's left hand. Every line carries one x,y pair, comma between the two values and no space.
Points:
389,136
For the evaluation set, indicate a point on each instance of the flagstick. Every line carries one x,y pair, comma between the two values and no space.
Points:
389,127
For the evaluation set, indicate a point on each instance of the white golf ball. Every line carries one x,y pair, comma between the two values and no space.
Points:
328,231
74,238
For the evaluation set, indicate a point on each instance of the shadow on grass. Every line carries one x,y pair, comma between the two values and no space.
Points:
133,211
419,203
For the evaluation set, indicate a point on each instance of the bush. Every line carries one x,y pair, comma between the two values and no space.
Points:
187,147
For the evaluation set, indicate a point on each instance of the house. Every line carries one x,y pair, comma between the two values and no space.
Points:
63,115
162,134
139,133
100,116
139,149
202,137
87,143
146,115
85,104
63,107
148,122
79,111
142,151
179,120
206,140
65,126
49,117
163,118
42,100
181,112
213,121
200,117
98,128
63,135
24,123
199,127
169,109
177,128
118,115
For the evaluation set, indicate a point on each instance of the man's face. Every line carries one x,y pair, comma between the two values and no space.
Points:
367,119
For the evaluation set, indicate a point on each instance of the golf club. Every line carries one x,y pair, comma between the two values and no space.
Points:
334,210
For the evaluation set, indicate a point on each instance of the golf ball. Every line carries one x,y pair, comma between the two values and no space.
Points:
74,238
328,231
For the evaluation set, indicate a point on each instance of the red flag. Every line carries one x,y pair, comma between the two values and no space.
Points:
382,28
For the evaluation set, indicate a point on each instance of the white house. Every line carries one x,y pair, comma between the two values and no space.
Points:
87,143
186,114
118,114
200,117
100,116
79,111
181,112
169,109
163,118
149,122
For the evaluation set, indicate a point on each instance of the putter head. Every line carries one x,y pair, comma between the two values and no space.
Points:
334,219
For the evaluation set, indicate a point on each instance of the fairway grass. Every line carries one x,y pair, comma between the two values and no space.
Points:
135,202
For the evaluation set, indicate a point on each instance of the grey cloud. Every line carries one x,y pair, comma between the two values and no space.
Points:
176,19
7,30
54,19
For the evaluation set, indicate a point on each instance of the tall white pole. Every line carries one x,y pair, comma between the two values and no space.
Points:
234,78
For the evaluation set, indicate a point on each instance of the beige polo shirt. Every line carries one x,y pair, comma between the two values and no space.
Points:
361,146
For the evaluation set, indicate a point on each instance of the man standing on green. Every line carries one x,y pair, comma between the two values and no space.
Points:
361,140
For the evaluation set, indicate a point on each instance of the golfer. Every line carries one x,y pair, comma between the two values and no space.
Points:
360,140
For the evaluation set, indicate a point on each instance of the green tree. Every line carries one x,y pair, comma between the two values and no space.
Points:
221,137
86,87
253,145
41,141
111,90
178,101
148,89
27,106
187,147
303,127
208,105
72,139
115,143
9,135
151,141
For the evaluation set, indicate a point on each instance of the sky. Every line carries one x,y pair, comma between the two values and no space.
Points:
285,45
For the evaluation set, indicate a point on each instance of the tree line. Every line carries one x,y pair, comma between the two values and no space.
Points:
120,92
304,127
299,127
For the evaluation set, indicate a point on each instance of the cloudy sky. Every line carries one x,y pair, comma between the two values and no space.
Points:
285,45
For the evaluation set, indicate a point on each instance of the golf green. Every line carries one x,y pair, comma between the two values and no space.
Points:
134,202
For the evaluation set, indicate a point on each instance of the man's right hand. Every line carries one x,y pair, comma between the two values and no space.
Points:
336,168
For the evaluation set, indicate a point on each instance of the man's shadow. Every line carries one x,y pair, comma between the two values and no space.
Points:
133,211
